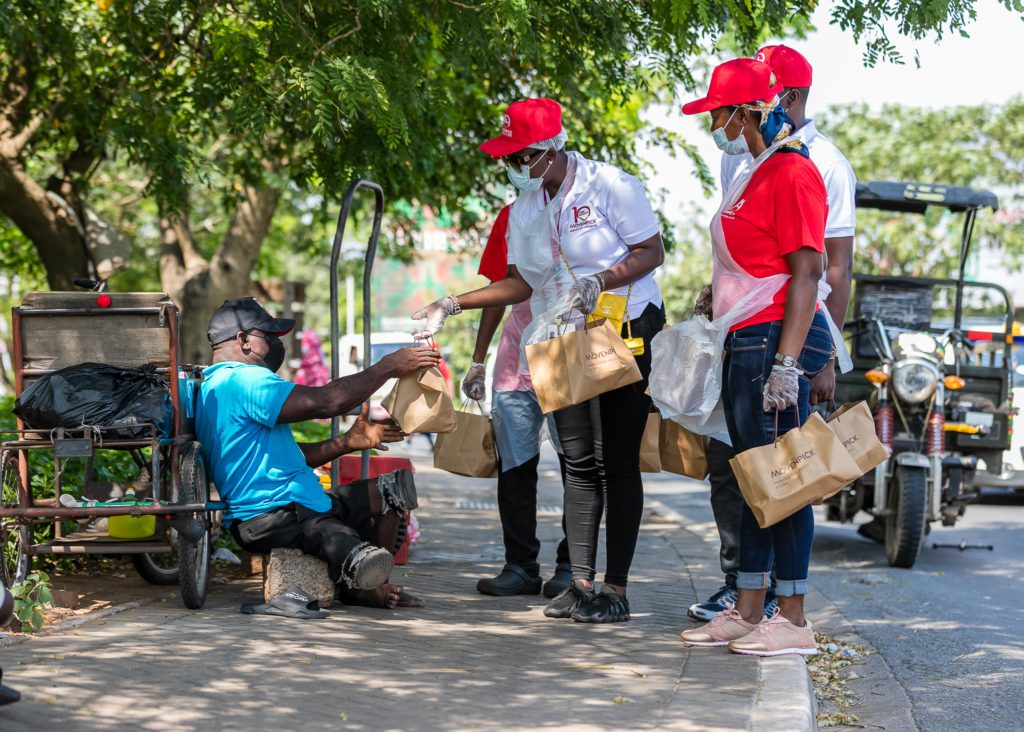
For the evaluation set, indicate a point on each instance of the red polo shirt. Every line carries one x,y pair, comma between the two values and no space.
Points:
783,209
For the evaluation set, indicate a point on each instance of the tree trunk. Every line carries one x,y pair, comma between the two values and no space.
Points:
45,224
200,286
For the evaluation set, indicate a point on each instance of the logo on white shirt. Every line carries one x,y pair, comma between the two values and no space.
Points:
581,219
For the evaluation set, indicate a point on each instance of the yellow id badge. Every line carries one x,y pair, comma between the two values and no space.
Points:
636,345
611,307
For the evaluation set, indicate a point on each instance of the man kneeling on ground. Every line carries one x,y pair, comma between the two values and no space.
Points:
273,497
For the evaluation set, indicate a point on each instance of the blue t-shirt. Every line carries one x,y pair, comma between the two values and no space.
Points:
256,464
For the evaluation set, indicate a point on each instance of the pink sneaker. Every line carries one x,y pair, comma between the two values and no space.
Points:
776,636
724,627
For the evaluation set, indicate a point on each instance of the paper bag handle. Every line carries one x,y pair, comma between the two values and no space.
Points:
775,434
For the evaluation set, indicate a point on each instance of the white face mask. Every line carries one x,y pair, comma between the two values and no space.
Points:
520,177
736,146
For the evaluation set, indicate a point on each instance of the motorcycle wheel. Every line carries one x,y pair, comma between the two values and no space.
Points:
906,520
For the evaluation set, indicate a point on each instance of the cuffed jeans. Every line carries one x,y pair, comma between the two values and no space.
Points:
601,443
749,354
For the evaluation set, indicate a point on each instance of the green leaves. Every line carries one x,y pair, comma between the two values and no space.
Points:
31,598
979,146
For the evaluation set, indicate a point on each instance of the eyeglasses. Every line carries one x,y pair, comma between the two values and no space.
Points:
522,158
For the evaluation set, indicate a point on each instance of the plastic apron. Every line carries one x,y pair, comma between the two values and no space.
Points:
736,296
533,242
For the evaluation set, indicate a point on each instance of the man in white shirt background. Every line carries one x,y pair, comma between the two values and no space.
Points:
795,74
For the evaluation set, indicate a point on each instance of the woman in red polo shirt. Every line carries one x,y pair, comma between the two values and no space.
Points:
768,239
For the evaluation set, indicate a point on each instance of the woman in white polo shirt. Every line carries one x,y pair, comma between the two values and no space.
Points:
579,228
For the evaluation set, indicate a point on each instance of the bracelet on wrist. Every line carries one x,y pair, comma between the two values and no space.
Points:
452,305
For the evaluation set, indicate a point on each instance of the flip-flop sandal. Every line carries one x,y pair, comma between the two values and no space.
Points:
291,604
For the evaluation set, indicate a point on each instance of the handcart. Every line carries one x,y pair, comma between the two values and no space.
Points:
54,330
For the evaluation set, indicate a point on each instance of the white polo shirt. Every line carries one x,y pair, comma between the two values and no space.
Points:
840,182
605,213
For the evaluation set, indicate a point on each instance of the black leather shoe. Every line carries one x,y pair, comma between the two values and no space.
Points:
569,601
606,607
561,579
513,580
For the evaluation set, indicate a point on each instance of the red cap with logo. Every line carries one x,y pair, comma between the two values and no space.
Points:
740,81
524,124
789,66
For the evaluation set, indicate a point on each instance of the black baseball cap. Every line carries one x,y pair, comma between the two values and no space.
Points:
244,314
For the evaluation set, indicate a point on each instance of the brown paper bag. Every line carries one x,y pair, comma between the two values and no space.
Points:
572,368
854,425
803,466
420,403
650,445
682,452
469,449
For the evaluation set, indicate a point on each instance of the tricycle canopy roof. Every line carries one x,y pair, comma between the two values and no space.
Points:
916,197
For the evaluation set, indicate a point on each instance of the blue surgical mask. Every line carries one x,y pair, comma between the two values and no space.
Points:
520,177
737,146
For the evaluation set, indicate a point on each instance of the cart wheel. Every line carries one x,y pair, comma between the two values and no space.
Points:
157,569
14,562
906,521
194,550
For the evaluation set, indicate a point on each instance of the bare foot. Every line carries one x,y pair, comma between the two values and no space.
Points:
407,600
385,596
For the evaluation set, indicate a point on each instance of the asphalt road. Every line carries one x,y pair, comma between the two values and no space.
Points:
951,629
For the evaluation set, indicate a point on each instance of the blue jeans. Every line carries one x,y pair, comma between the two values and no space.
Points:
749,353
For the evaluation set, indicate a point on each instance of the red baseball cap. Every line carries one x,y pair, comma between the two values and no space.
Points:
740,81
525,123
789,66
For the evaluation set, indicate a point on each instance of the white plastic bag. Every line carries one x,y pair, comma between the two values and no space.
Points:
686,374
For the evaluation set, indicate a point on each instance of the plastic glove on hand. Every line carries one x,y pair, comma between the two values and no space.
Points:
782,388
584,293
435,314
473,386
702,305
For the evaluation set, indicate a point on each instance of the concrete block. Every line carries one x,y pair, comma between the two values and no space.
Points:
284,569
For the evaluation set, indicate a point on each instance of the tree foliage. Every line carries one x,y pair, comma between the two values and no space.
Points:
236,105
976,146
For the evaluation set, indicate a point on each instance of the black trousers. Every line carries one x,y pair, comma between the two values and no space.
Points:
330,536
726,505
517,507
601,443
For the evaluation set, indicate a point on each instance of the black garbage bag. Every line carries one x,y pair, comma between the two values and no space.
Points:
100,395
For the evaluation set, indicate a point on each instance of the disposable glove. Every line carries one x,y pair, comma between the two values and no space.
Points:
702,306
782,388
584,293
473,385
435,314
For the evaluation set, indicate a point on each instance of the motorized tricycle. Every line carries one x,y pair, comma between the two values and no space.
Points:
933,357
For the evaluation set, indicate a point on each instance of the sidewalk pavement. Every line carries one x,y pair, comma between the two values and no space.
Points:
466,661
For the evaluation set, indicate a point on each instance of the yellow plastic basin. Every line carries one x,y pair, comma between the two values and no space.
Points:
131,527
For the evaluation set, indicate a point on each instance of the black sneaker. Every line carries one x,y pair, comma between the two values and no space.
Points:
399,491
606,607
569,601
714,604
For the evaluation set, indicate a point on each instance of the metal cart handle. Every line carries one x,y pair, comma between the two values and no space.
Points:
371,252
